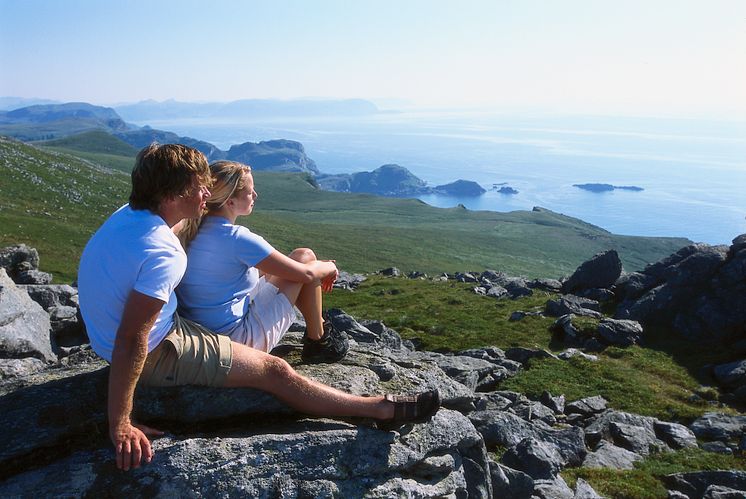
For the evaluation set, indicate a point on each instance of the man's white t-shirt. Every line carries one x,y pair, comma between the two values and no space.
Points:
220,278
133,250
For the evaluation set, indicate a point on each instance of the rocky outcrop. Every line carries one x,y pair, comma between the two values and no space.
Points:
24,325
601,271
699,292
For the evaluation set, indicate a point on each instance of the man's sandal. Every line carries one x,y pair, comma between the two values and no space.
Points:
418,408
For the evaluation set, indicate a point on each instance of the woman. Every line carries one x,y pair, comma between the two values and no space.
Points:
222,290
237,284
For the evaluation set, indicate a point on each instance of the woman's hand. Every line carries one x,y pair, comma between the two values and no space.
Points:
327,283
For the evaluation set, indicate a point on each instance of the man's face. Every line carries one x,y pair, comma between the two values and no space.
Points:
194,200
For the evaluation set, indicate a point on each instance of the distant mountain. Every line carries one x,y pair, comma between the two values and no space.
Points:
145,136
51,121
276,155
10,103
606,187
464,188
244,109
394,181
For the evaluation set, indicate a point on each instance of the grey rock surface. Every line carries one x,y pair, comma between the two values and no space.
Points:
310,456
620,332
720,492
583,490
556,488
10,368
608,455
586,406
601,271
537,459
507,482
676,436
571,304
719,426
24,325
17,259
638,439
695,484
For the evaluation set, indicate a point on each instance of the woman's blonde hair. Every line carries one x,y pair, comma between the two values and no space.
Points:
228,178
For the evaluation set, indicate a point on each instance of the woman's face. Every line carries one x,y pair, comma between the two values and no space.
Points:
243,200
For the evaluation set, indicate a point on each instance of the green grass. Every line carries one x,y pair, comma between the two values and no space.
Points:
643,482
54,201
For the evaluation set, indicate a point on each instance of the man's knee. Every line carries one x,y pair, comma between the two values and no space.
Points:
278,369
303,255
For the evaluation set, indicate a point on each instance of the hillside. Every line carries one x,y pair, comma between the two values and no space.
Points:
50,121
55,201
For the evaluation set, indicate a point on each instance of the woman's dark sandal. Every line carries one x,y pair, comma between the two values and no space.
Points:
418,408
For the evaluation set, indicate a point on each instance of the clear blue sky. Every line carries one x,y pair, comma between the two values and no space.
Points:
651,57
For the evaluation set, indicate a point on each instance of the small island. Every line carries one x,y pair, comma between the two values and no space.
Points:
460,188
607,187
507,190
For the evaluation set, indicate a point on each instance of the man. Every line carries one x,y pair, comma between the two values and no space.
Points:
128,273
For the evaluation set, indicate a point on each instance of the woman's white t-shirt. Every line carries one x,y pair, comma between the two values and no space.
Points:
216,290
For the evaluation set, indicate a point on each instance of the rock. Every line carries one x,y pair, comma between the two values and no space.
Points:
694,484
353,329
556,404
638,439
523,355
345,280
675,435
718,426
497,292
17,259
493,401
506,429
553,489
720,492
517,316
634,285
571,304
517,289
732,374
608,455
390,272
480,291
551,285
52,295
574,352
598,427
601,271
507,482
620,332
310,457
565,327
533,411
10,368
586,406
537,459
717,447
472,372
24,325
598,294
33,277
583,490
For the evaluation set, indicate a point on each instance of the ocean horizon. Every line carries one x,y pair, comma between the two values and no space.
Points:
691,172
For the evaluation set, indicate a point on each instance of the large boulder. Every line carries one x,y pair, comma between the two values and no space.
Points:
695,484
24,325
17,259
620,332
601,271
307,458
539,460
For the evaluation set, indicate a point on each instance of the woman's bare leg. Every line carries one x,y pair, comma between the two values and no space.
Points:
255,369
307,297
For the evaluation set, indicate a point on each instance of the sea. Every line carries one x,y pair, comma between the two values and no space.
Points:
692,172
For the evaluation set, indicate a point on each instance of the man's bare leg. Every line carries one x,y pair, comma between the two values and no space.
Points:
255,369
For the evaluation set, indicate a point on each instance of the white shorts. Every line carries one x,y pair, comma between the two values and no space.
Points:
269,317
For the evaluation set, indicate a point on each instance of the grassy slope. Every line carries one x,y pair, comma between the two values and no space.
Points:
363,233
96,146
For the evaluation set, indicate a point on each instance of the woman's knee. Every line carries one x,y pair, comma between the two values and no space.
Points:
303,255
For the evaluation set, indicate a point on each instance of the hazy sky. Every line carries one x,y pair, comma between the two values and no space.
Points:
649,57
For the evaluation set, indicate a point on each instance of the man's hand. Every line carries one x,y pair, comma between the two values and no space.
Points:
132,445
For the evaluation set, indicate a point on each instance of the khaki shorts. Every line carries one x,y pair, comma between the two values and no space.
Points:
189,355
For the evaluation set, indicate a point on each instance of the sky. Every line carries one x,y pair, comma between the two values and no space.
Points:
647,58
